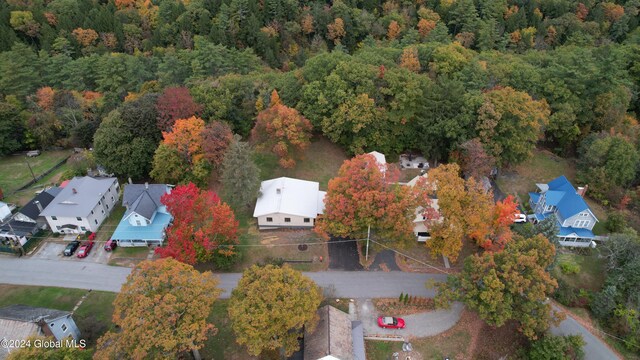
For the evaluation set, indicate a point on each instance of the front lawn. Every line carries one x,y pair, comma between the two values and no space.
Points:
320,162
15,171
470,338
591,270
223,344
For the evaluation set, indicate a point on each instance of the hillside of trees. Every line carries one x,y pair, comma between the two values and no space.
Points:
391,76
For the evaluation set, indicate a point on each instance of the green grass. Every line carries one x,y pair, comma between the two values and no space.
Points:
93,317
223,344
15,171
599,228
319,162
430,348
38,296
109,225
592,270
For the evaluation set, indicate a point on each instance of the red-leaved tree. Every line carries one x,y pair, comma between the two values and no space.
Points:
204,228
366,194
282,130
175,103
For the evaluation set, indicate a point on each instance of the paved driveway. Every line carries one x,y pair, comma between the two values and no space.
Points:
52,250
343,255
417,325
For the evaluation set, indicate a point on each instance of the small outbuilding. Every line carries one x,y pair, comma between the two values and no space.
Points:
335,337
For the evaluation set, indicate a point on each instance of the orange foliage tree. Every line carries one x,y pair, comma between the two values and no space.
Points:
282,130
85,37
393,31
44,97
409,60
161,312
335,30
365,194
425,26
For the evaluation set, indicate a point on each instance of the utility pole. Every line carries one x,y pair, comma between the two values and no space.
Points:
366,256
29,165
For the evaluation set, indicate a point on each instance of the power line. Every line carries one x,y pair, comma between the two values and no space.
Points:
412,258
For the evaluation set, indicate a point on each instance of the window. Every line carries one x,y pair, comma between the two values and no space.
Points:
79,218
584,214
138,223
107,206
58,227
64,327
102,211
269,219
112,198
54,218
581,223
83,228
91,212
287,219
99,202
307,220
96,221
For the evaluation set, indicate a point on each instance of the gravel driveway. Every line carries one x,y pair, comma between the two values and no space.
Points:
417,325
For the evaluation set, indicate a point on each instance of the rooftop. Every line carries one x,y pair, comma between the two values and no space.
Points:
290,196
26,313
79,197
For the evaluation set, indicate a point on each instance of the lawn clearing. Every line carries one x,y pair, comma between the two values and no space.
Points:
24,196
128,256
470,338
592,270
262,247
39,296
320,162
223,344
15,171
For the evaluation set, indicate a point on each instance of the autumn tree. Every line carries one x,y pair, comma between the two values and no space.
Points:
282,130
510,123
161,312
409,60
515,285
85,37
204,228
190,150
175,103
393,30
468,212
474,161
271,307
365,194
240,175
425,26
335,30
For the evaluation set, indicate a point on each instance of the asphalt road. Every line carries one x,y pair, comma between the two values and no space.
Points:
89,275
348,284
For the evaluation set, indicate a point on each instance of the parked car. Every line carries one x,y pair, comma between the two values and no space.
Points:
520,218
110,245
389,322
33,153
85,249
92,236
71,248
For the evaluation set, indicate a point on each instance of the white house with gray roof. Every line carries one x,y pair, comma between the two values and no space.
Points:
82,205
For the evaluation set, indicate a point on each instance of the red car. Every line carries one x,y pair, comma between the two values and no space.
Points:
110,245
85,249
389,322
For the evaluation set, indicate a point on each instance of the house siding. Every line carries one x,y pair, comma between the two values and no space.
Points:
571,220
101,211
279,221
55,327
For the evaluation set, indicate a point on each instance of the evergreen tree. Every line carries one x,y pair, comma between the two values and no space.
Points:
240,175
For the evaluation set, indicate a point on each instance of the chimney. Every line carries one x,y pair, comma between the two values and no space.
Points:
146,185
582,190
38,205
74,190
130,182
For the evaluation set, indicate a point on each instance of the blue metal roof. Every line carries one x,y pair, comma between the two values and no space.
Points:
563,196
561,183
580,232
534,197
153,231
554,197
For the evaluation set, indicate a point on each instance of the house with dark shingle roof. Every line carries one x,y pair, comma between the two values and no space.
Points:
82,205
335,337
575,218
146,219
18,322
27,221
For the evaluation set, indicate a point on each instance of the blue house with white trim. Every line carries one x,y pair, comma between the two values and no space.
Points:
146,219
575,218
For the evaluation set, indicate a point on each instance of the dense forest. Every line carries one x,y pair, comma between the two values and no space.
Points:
391,76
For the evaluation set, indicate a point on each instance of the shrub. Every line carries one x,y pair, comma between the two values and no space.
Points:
557,347
569,268
565,294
